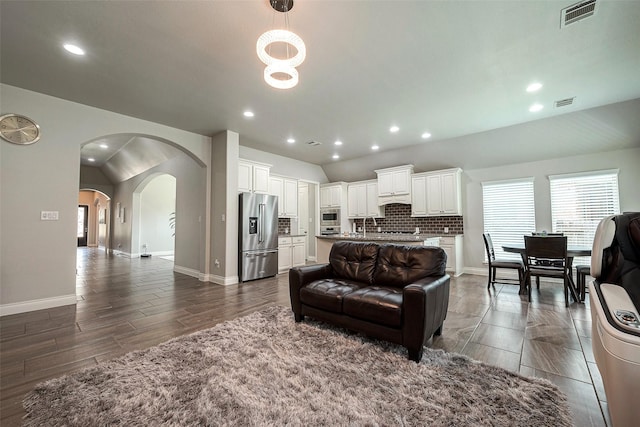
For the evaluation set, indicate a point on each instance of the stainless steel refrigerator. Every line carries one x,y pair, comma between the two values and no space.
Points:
258,236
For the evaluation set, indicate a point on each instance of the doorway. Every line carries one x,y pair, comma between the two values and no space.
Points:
83,224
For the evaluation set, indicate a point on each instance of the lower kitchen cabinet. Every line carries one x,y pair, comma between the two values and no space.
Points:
291,252
452,245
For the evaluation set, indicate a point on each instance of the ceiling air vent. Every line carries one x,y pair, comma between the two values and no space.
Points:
564,102
578,11
314,143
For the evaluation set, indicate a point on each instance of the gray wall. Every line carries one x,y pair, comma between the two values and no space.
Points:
627,161
38,258
285,166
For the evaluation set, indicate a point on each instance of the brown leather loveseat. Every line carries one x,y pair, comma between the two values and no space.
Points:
391,292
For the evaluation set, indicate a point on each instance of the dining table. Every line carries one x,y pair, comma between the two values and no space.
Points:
572,252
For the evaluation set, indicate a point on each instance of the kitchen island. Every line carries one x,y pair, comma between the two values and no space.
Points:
452,244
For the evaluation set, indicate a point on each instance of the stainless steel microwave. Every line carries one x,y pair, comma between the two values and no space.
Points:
329,217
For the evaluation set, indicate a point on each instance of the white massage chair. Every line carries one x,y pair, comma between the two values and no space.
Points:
615,302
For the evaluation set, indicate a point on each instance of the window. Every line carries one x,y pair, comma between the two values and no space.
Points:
509,213
579,202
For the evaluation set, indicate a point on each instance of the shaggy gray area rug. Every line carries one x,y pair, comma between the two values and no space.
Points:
265,369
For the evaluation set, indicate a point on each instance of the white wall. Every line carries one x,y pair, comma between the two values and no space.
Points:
285,166
157,205
50,169
627,161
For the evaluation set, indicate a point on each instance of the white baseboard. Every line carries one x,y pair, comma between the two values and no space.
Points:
221,280
188,271
476,271
124,254
37,304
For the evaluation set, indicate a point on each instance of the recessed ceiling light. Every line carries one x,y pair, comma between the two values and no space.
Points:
91,159
426,135
394,129
105,146
291,140
76,50
338,143
335,157
536,107
248,114
534,87
375,147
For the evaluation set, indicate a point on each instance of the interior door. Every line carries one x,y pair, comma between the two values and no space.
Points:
83,224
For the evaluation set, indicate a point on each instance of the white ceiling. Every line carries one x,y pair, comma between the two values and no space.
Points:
452,68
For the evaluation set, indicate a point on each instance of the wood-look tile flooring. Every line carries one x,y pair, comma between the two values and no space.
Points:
129,304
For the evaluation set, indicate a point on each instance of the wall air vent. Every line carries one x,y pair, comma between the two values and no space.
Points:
578,11
314,143
564,102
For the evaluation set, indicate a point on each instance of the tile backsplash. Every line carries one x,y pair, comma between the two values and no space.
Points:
398,218
284,224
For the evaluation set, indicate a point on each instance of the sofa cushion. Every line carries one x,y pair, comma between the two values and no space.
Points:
354,260
399,268
378,304
328,294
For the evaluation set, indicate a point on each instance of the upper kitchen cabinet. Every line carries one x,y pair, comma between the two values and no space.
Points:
394,185
333,195
362,200
253,177
437,193
287,191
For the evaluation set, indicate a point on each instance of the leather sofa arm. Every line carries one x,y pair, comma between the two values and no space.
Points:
300,276
425,305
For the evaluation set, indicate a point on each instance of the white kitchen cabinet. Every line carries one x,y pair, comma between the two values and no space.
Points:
452,245
285,258
418,195
291,252
253,177
362,200
394,185
443,192
287,191
331,195
298,252
436,193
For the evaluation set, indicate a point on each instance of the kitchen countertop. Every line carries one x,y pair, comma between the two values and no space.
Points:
291,235
384,237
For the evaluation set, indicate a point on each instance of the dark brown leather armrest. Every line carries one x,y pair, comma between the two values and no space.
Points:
300,276
425,305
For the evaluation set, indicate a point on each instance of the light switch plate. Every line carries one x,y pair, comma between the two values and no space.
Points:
48,215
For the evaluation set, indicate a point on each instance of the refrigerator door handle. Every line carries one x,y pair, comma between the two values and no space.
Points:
261,208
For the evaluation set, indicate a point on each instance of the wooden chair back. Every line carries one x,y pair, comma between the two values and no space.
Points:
543,253
488,245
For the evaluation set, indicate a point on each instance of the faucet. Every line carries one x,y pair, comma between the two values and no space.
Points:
364,225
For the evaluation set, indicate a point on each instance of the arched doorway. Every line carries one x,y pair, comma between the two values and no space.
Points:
95,206
155,201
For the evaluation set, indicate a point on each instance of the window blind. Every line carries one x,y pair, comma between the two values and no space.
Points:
579,202
509,213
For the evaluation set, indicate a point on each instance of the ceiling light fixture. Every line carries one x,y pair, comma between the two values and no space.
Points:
281,66
536,107
76,50
248,114
335,157
375,147
91,159
426,135
104,146
291,140
534,87
394,129
338,143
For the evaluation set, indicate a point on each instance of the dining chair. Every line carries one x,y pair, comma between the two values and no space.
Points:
582,271
494,264
547,257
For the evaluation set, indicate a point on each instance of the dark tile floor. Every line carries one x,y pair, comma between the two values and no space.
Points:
128,304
